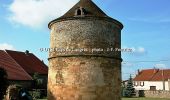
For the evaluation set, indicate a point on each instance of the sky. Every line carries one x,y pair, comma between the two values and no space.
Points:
24,26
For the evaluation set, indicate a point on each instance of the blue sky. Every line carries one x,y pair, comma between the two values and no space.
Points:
23,26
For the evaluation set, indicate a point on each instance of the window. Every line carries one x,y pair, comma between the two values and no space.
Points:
152,88
142,84
80,11
135,83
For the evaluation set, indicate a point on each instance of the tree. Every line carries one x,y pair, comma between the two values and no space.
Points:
3,83
129,90
37,81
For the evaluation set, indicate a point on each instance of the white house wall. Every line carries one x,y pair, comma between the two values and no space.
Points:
147,84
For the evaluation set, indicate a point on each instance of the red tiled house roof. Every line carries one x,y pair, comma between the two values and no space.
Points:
14,70
153,75
162,75
145,75
29,62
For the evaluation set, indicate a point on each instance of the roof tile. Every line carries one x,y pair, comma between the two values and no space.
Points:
153,75
29,62
14,70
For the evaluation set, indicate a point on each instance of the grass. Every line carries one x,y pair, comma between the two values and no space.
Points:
144,99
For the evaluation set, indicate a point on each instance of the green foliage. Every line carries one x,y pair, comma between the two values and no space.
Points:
37,81
141,93
3,83
129,90
36,94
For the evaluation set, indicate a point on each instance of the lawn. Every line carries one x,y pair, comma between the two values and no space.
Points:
144,99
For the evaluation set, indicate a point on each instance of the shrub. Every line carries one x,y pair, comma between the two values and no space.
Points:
3,83
129,90
36,94
141,93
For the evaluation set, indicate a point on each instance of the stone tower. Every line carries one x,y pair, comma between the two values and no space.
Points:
83,63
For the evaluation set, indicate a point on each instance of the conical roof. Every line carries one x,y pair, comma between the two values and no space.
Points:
84,8
90,8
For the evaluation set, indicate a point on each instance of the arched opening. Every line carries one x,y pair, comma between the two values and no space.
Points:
78,12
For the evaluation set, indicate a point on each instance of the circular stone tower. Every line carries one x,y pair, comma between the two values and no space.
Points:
84,63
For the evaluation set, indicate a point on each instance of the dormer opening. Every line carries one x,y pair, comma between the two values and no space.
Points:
80,11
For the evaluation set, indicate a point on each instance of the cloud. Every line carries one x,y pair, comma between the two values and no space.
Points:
37,13
151,19
4,46
127,64
165,20
137,50
161,66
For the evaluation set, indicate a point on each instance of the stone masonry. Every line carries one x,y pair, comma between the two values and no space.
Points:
83,63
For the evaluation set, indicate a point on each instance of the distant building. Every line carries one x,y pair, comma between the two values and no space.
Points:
124,83
21,66
152,79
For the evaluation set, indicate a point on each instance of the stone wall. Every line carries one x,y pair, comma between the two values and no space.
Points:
157,94
80,78
86,34
86,75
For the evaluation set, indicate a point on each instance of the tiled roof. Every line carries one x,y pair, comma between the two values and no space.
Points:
162,75
91,9
153,75
29,62
14,70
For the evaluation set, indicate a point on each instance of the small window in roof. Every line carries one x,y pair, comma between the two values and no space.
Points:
80,11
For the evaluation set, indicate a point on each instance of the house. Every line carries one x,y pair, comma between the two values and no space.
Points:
21,66
152,79
124,83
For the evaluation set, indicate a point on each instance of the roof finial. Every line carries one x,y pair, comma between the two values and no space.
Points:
26,52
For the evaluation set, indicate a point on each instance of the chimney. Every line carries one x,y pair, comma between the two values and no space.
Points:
162,74
26,52
155,70
139,71
163,80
